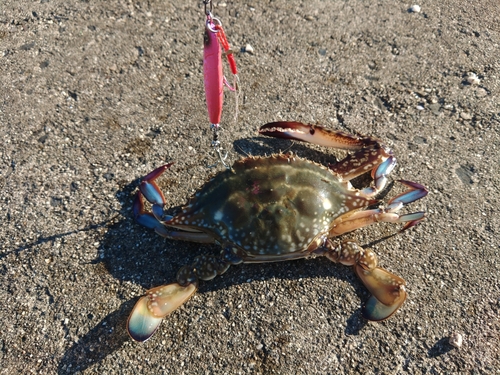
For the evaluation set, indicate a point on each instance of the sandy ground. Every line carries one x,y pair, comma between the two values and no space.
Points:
97,94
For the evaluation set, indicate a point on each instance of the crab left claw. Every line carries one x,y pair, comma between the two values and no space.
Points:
150,310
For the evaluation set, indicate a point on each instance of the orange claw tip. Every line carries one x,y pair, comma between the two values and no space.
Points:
162,300
141,324
386,287
150,310
411,224
376,311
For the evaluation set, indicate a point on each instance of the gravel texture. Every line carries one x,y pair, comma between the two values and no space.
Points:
95,94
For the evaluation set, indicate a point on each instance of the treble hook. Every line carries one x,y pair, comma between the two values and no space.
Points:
217,147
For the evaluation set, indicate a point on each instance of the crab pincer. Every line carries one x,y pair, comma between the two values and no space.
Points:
150,190
150,310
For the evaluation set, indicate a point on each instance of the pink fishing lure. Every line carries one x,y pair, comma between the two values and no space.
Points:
212,72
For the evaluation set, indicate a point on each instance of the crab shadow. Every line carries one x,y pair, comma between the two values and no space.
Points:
442,346
134,254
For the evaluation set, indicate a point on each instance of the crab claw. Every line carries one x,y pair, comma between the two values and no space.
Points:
150,190
413,194
150,310
313,134
388,292
141,324
141,216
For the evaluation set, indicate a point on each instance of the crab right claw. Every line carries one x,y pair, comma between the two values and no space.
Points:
388,292
149,188
150,310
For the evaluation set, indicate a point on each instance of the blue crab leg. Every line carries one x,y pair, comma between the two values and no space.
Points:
151,221
358,219
388,290
157,220
379,176
141,216
415,193
150,190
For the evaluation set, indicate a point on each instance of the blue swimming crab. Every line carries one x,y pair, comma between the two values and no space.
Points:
277,208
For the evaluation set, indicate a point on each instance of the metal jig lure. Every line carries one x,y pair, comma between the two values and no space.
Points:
214,79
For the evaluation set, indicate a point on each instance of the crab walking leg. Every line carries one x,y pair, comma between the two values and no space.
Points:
358,219
150,190
149,311
388,290
370,154
157,220
151,221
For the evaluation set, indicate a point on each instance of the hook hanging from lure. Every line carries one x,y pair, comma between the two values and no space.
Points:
214,41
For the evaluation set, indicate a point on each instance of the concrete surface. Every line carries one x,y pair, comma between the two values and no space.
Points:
95,94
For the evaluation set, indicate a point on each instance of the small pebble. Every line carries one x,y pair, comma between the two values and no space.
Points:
415,8
249,49
456,340
473,79
466,115
481,93
420,107
435,107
